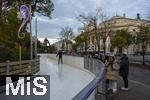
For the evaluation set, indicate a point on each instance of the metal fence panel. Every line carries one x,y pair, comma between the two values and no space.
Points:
97,86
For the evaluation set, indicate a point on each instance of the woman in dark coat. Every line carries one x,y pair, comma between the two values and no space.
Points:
124,70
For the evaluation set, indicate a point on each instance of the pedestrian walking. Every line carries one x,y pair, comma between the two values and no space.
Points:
59,54
124,70
112,74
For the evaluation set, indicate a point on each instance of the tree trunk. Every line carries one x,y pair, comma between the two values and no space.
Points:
98,46
104,47
111,48
97,42
120,49
67,46
97,37
84,46
1,2
62,45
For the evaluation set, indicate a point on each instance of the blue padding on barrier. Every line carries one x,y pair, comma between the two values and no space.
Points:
97,81
85,93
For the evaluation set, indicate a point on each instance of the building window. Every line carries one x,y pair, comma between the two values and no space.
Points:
133,30
93,40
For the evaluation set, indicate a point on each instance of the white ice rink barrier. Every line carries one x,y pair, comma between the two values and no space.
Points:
70,60
92,66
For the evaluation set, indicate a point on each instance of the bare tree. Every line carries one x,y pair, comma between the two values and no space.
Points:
105,31
66,34
93,20
88,21
85,20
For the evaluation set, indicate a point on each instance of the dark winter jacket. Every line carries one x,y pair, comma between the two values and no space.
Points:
124,66
59,54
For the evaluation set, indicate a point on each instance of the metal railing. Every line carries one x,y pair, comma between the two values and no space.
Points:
137,59
95,88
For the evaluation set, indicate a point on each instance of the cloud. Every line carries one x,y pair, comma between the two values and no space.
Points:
66,11
51,28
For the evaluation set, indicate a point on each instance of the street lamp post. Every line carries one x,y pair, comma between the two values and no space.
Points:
82,42
23,14
36,38
31,51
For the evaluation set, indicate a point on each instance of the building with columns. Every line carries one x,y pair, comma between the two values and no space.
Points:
108,28
62,45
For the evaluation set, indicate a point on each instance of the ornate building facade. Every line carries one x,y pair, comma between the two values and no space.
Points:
108,28
62,45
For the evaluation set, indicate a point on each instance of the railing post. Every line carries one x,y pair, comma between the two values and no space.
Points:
38,61
89,61
35,63
7,67
29,71
32,66
93,65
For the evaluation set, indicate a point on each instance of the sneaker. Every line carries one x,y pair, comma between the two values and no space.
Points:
125,89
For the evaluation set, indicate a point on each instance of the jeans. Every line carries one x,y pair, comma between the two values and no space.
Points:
112,85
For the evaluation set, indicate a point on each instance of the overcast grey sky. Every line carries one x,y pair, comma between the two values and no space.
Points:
66,11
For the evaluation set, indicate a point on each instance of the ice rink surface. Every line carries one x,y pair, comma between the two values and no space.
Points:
65,81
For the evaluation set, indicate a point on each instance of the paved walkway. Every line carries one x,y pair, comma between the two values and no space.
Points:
139,85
